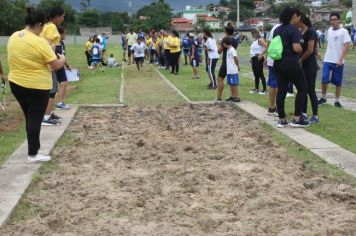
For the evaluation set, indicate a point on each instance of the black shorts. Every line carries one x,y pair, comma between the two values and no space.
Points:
61,75
129,50
139,59
222,71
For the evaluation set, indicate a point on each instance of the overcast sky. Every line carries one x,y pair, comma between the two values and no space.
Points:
122,5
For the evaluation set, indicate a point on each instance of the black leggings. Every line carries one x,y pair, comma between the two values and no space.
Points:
211,70
310,72
175,61
290,71
33,103
257,68
167,58
87,54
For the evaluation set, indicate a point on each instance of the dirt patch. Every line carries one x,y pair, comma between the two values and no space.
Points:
186,170
12,117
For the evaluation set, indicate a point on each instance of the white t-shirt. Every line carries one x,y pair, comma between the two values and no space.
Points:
256,48
139,49
231,66
211,44
112,62
336,41
270,61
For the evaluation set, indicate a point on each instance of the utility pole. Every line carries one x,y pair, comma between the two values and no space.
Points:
354,12
130,8
238,13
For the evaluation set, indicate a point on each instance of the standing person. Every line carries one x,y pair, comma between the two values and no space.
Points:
229,33
338,43
318,34
257,51
139,50
175,51
213,56
353,33
194,56
232,70
88,46
167,53
131,39
31,80
51,34
160,50
61,73
124,46
288,68
272,79
310,67
186,43
97,55
322,38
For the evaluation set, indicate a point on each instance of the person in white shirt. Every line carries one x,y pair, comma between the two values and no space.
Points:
333,67
232,68
258,49
112,61
131,39
272,79
213,56
139,50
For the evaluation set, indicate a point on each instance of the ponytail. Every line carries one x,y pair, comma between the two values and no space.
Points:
34,16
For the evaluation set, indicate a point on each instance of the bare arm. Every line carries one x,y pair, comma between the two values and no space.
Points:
297,48
221,49
237,62
263,43
58,63
344,51
2,74
311,44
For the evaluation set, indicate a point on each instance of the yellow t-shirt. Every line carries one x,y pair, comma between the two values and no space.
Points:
176,42
166,41
28,57
148,42
88,46
131,39
51,33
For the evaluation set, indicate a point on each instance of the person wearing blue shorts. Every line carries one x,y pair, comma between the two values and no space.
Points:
194,55
333,67
186,47
232,70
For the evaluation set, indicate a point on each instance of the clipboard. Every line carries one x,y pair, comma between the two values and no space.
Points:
72,75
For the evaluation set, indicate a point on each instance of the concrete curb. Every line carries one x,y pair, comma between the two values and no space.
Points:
16,175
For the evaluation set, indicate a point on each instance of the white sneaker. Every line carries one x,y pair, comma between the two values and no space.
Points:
38,158
290,95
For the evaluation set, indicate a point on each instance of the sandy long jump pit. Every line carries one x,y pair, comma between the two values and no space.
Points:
185,170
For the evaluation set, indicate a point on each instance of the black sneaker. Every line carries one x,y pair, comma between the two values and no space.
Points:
337,104
300,124
55,117
209,85
229,99
321,101
213,87
235,99
50,122
272,111
282,123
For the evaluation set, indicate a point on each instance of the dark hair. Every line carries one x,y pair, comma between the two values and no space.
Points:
254,31
229,30
305,20
56,11
207,32
227,41
61,29
34,16
335,14
175,33
287,15
97,40
111,55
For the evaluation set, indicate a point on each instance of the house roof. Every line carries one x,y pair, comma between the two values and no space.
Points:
208,18
181,21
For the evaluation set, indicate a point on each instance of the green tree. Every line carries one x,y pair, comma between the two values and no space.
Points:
12,16
115,20
276,9
201,24
90,18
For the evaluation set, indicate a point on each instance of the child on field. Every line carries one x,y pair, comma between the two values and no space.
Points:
97,55
194,55
139,50
233,67
112,61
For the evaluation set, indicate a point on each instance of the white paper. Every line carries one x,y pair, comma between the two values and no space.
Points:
72,75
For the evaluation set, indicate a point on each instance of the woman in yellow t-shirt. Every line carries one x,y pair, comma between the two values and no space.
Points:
175,51
88,46
29,58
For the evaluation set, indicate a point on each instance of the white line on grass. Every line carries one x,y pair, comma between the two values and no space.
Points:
121,101
172,85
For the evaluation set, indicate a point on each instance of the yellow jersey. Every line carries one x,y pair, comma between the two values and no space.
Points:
28,57
131,39
166,41
175,42
50,33
88,46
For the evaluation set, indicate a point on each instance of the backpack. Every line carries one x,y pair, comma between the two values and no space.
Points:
275,49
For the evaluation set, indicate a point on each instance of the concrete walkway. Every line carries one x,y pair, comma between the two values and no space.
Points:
16,174
347,103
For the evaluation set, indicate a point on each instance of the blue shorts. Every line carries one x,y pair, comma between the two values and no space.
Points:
186,51
195,62
337,74
124,47
233,80
272,79
95,61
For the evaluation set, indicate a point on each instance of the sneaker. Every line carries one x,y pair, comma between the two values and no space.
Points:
264,92
50,122
235,99
271,111
218,100
209,85
290,95
305,116
213,87
301,123
229,99
314,120
254,91
62,106
38,158
337,104
282,123
321,101
55,117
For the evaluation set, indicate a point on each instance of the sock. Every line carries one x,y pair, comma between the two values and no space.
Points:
46,117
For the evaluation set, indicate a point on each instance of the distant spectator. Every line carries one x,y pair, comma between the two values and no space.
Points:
88,46
112,61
